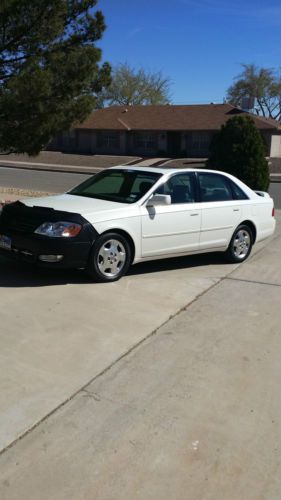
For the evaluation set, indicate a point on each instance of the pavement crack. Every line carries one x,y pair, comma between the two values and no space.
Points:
93,395
97,397
252,281
132,349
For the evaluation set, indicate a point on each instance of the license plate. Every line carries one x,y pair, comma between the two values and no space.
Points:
5,242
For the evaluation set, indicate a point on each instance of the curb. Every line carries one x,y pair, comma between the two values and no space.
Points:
76,169
60,168
275,177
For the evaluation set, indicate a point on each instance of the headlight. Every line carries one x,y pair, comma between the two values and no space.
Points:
59,229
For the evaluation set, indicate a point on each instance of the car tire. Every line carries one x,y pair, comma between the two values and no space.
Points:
110,258
240,245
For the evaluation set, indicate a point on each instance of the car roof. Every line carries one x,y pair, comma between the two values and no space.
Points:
165,170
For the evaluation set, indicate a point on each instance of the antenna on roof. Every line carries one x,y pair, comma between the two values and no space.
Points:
248,103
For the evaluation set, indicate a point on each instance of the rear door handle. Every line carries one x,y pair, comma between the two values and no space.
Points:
193,215
236,210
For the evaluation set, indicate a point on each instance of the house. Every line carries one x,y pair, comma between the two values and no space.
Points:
167,131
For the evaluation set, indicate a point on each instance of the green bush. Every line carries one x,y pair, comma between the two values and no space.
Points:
238,149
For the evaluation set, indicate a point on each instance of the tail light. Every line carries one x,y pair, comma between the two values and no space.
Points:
273,212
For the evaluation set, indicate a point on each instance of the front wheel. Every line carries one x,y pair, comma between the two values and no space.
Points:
110,258
240,245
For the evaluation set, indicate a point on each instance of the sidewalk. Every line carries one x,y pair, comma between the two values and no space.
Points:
192,413
54,161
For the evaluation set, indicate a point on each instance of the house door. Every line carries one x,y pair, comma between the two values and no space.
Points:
174,143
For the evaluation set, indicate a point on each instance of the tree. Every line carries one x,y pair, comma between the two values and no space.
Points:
136,87
50,70
238,149
261,83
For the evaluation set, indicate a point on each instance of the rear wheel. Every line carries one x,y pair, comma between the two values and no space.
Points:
240,245
110,258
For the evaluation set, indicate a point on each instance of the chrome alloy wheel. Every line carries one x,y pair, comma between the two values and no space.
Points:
241,244
111,258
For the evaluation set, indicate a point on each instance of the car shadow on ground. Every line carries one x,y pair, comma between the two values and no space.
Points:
18,275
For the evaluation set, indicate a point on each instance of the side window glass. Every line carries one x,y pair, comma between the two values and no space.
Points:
238,192
141,185
214,187
180,187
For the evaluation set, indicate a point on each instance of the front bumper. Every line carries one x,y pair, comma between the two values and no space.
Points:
29,248
19,222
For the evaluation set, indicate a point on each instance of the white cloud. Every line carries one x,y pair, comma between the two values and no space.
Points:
134,31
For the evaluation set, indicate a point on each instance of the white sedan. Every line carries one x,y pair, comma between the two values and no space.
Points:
124,215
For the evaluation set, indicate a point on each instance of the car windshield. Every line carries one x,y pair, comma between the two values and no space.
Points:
122,186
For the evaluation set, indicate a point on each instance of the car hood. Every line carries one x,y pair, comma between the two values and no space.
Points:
90,208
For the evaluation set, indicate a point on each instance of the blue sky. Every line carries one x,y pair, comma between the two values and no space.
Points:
199,44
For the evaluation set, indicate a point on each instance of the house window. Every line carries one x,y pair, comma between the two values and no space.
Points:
109,140
200,142
145,141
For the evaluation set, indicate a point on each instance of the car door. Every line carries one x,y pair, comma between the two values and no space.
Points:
221,213
175,228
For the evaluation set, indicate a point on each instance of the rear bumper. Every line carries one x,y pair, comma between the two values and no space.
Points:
29,248
267,231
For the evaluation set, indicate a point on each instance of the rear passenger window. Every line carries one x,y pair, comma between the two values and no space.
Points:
214,187
238,192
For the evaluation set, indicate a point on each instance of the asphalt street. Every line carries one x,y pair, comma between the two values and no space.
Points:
58,182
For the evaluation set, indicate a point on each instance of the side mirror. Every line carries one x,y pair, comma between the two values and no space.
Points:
159,199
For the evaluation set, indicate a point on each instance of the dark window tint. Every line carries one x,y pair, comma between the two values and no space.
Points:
214,187
123,186
180,187
238,192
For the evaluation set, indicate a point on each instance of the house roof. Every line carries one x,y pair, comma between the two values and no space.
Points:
169,117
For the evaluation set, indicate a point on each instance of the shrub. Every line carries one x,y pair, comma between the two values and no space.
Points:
238,149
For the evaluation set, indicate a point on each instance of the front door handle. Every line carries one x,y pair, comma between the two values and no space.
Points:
236,210
193,215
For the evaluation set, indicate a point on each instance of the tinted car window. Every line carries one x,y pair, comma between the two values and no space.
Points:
238,192
123,186
180,187
214,187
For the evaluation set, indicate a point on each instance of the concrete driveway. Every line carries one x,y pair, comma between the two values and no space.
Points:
59,331
194,412
63,336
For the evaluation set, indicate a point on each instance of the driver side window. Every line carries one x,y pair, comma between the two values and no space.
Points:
180,187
